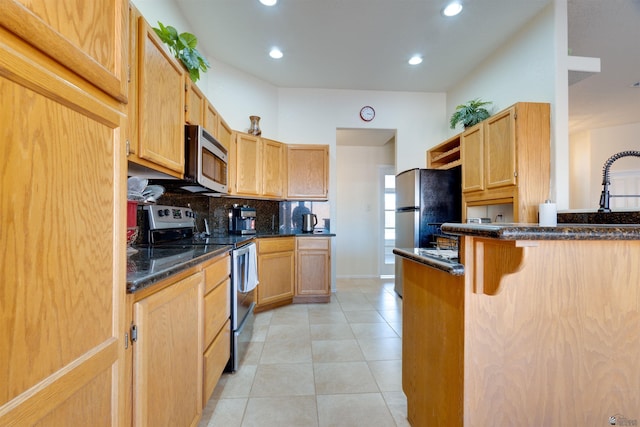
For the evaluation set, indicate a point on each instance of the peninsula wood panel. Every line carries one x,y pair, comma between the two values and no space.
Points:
86,37
62,267
558,343
432,345
549,330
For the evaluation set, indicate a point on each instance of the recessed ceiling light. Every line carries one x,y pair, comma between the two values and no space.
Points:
276,53
268,2
452,9
415,60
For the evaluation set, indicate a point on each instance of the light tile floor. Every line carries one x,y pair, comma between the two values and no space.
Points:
320,365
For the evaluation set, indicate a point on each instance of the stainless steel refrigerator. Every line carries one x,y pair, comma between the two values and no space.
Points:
425,198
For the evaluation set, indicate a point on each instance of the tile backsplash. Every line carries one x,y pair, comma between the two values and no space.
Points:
271,216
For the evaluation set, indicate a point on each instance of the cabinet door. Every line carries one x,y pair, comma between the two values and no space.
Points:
308,172
248,165
472,148
195,103
160,118
168,362
276,270
313,267
273,169
224,133
500,149
62,268
84,36
211,121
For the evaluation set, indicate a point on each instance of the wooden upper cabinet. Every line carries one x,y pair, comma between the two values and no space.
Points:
158,140
247,165
86,37
307,172
211,120
224,133
472,154
194,108
500,149
506,160
273,168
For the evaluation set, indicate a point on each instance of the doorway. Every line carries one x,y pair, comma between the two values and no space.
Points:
360,242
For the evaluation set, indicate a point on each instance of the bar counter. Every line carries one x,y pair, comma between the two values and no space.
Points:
541,328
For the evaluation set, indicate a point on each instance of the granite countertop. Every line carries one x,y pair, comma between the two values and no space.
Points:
517,231
151,264
441,260
446,260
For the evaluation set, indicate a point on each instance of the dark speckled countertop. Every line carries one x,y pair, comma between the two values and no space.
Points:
505,231
440,260
150,265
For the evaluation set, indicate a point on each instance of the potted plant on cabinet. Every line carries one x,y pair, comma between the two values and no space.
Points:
183,47
471,113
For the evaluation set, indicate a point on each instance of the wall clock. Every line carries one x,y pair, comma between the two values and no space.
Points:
367,113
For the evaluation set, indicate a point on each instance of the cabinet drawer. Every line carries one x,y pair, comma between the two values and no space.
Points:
216,273
216,310
313,243
215,360
276,244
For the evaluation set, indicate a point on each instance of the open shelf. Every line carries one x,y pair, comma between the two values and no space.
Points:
445,155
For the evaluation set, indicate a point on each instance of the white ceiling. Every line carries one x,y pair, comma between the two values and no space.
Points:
365,44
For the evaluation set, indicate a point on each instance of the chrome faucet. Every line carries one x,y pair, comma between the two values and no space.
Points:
605,196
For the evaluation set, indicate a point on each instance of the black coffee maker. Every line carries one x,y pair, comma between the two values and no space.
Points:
242,220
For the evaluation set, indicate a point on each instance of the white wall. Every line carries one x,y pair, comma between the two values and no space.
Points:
524,69
589,151
358,209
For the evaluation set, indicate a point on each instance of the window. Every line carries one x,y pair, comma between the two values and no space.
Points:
389,222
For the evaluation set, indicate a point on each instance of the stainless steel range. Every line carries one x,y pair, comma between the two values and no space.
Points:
175,226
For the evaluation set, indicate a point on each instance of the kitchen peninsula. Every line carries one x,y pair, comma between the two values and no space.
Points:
541,327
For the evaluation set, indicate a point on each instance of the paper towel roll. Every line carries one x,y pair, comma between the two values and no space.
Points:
548,214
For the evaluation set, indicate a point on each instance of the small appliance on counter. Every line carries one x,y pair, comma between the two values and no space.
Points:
309,222
242,220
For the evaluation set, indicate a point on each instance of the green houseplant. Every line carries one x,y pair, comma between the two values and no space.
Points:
471,113
183,47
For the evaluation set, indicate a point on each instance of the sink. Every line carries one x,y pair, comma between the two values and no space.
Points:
595,217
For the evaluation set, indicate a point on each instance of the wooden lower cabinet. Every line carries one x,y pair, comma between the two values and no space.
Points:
167,355
313,269
217,325
276,272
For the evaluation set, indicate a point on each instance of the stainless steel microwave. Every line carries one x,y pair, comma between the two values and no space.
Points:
205,159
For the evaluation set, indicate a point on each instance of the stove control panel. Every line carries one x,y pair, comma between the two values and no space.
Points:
166,217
